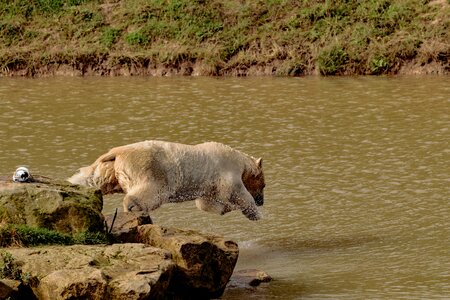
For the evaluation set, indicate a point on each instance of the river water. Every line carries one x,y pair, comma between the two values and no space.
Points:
357,169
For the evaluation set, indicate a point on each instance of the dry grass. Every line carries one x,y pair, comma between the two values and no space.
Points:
278,37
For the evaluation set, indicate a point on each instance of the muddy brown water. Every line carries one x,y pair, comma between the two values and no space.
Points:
357,169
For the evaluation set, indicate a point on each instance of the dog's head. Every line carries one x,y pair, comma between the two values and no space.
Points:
254,181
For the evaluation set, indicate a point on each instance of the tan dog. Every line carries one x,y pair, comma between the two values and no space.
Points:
151,173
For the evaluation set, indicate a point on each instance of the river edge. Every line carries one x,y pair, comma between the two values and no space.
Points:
141,66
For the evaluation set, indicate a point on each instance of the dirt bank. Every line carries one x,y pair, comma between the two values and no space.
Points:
223,38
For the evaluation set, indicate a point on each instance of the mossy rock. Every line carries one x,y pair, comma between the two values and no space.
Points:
51,204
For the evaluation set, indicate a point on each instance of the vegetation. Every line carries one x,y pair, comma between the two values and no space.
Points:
8,267
25,236
218,37
11,269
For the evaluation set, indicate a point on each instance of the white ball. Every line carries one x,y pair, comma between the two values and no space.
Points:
22,174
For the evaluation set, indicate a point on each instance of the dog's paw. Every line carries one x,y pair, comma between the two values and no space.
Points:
252,214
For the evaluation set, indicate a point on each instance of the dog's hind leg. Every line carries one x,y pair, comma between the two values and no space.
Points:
213,205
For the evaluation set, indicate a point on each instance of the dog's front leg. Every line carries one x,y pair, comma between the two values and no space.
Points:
245,202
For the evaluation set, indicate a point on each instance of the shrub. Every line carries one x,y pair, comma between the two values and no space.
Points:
379,65
109,37
48,6
91,238
137,38
331,61
8,266
10,33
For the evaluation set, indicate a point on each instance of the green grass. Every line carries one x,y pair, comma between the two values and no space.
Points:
25,236
296,37
109,36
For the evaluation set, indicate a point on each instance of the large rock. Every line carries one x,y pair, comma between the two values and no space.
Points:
55,205
183,265
205,262
119,271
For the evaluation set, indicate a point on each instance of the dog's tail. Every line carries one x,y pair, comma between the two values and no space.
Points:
82,177
109,156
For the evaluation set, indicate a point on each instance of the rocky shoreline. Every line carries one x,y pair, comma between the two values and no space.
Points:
140,261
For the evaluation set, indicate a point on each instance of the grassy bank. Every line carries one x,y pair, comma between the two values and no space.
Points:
224,37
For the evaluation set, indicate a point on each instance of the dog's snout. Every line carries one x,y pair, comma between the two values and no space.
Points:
259,200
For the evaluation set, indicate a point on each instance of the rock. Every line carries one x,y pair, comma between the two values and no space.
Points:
205,262
9,288
246,282
119,271
15,290
55,205
171,263
124,225
250,277
72,284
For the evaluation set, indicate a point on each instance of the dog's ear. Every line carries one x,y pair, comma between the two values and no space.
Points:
259,162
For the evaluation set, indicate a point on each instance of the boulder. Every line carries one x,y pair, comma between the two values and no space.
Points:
119,271
124,225
205,262
183,265
50,204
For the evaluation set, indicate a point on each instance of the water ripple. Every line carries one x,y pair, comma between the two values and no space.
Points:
357,168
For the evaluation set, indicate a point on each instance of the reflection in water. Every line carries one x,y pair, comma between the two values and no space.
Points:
356,168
